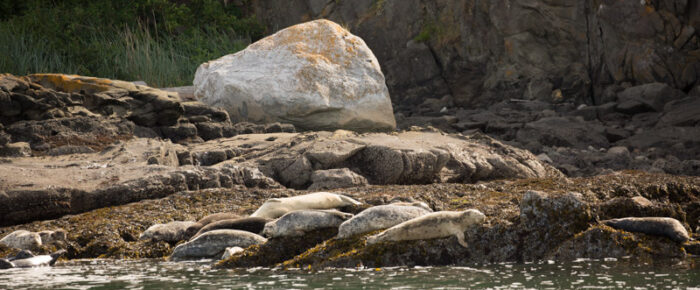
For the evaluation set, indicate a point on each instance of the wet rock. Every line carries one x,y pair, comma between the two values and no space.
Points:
171,232
341,64
22,239
562,132
682,113
647,97
601,242
638,206
213,244
549,220
661,226
335,178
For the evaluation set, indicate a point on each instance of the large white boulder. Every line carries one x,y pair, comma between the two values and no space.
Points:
315,75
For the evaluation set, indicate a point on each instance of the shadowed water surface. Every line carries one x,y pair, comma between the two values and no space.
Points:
157,274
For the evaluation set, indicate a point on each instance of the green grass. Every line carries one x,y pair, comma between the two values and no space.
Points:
161,42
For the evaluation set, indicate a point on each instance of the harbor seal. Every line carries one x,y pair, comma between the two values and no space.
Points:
22,239
431,226
298,222
212,244
660,226
25,259
277,207
171,232
379,218
215,217
250,224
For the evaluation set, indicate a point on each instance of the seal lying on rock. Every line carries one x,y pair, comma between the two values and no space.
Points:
212,244
171,232
660,226
215,217
431,226
380,217
25,259
298,222
22,239
250,224
276,207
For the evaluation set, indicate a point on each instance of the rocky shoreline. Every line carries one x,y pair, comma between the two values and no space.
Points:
130,177
527,220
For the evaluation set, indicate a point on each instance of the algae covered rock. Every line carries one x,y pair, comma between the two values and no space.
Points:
549,219
314,75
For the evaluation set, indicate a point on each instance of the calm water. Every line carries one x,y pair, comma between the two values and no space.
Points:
150,274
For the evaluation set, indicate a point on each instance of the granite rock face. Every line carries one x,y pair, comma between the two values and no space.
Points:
480,52
314,75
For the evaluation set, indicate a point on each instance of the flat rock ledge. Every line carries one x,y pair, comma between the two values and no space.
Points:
37,188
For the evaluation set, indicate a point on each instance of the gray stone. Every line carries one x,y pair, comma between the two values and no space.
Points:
335,178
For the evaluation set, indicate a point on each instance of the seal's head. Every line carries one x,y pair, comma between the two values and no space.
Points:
472,216
270,230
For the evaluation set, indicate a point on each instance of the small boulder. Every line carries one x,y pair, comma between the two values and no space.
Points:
336,178
22,239
314,75
647,97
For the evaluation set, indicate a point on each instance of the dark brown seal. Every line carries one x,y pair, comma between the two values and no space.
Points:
660,226
250,224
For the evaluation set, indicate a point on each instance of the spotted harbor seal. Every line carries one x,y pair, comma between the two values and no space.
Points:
660,226
432,226
171,232
25,259
380,217
212,244
298,222
250,224
22,239
276,207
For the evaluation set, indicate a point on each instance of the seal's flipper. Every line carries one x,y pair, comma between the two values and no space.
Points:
460,239
55,256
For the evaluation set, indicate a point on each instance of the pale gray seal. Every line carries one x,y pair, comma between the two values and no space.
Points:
276,207
431,226
298,222
250,224
26,259
22,239
380,217
660,226
212,244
